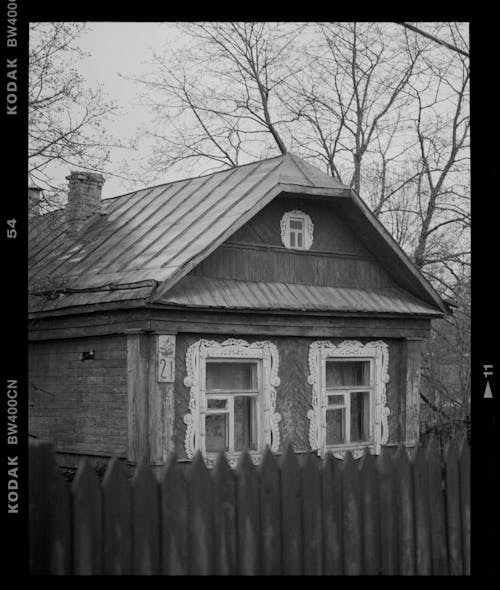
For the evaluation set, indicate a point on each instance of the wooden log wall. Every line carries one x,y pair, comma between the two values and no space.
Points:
80,404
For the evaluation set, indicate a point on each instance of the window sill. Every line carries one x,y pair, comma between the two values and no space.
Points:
233,458
357,450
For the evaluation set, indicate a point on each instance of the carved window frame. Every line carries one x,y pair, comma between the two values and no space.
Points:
196,357
307,233
378,353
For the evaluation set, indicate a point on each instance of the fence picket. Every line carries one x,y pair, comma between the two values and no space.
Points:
436,510
351,492
291,513
87,522
174,520
248,517
200,518
145,521
404,503
464,474
389,563
312,517
422,522
117,520
388,515
225,525
370,515
453,513
270,515
60,525
41,463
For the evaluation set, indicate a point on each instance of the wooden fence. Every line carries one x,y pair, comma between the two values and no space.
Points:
378,515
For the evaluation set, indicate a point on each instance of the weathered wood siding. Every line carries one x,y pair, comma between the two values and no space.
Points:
294,393
256,252
81,406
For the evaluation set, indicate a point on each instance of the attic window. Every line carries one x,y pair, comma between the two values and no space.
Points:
296,230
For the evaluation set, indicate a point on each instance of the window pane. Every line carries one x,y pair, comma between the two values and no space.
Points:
335,400
335,427
245,424
360,416
231,376
347,373
299,240
217,404
296,224
292,240
216,432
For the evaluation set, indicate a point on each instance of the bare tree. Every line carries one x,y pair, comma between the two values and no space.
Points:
218,101
443,161
65,117
446,371
350,100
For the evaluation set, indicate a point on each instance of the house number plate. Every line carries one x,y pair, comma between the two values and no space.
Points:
166,358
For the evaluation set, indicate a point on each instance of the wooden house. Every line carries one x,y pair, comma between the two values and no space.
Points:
244,308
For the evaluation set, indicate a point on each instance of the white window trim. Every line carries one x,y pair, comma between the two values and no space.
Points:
378,353
308,229
267,427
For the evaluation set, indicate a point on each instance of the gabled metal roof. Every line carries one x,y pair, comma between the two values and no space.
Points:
157,235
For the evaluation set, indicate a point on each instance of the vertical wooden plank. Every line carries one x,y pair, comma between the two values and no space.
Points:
117,520
270,512
351,492
333,538
388,516
312,517
291,513
60,526
436,510
137,393
248,517
464,474
200,518
422,520
160,408
453,512
41,462
404,507
370,515
411,351
174,520
87,522
145,521
225,542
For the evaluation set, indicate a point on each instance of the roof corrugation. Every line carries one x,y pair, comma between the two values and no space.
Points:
194,291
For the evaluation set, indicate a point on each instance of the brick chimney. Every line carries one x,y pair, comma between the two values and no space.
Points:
34,194
84,199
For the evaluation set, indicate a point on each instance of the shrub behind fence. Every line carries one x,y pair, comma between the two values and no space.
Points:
378,515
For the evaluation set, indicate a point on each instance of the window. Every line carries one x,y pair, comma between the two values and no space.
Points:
232,399
296,230
349,397
233,404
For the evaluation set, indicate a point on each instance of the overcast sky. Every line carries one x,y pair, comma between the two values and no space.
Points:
117,51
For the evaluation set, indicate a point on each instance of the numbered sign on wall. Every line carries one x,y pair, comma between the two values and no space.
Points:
166,358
